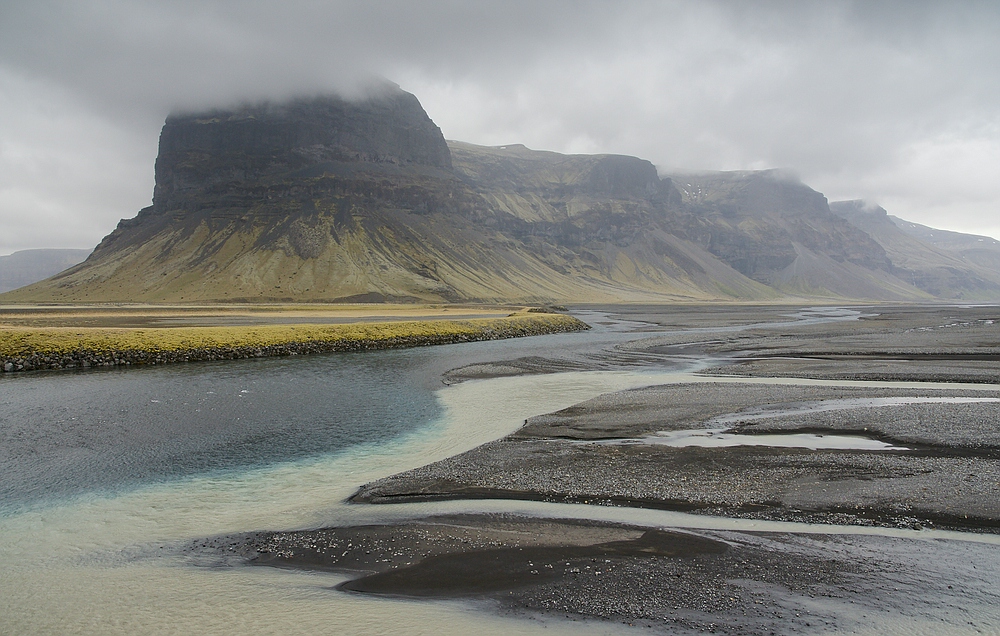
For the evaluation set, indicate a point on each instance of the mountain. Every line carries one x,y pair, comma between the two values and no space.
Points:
750,235
334,199
946,265
30,266
983,251
597,220
778,231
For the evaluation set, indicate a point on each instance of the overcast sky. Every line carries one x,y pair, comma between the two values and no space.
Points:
894,102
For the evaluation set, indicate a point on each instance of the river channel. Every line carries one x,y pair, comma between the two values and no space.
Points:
104,473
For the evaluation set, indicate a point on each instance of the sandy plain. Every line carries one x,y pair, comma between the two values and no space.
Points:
918,380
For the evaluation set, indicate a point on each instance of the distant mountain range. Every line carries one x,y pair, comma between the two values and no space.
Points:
326,199
947,265
30,266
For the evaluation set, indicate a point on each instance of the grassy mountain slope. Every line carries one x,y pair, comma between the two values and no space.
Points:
368,248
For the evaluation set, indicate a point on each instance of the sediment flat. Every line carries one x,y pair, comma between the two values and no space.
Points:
237,314
906,458
887,368
947,476
673,581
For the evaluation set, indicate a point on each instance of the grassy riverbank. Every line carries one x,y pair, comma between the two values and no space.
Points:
26,348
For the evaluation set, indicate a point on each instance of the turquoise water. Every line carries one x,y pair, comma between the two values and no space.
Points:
102,472
99,432
68,434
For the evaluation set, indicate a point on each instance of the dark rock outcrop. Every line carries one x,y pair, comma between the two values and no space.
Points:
228,152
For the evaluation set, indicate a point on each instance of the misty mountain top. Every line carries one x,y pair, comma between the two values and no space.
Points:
333,199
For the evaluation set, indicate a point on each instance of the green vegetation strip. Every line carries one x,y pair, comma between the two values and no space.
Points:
24,349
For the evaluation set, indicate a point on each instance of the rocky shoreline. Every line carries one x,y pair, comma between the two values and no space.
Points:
85,358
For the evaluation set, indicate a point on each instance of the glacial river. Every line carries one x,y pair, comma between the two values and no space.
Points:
104,473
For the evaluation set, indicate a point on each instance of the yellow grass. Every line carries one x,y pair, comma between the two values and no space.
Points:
22,341
148,316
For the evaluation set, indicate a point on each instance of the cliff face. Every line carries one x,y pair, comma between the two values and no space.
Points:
218,158
758,222
771,229
327,199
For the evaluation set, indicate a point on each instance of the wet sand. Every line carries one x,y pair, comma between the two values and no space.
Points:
672,581
946,476
949,478
880,369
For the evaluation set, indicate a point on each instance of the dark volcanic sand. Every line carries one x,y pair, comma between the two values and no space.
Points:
936,343
950,478
729,582
722,581
885,368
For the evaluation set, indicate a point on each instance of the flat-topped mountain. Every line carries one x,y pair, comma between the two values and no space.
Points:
334,199
208,159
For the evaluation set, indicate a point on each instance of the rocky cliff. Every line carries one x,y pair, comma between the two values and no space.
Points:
224,157
333,199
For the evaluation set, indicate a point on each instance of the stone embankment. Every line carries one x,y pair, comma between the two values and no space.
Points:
102,350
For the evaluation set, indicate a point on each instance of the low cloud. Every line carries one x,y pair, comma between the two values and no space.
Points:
892,102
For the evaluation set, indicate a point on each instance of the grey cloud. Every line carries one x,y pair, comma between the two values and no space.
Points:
861,99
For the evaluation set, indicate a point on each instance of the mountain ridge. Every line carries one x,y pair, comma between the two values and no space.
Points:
334,200
941,270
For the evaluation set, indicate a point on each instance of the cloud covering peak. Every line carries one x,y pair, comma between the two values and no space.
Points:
895,102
